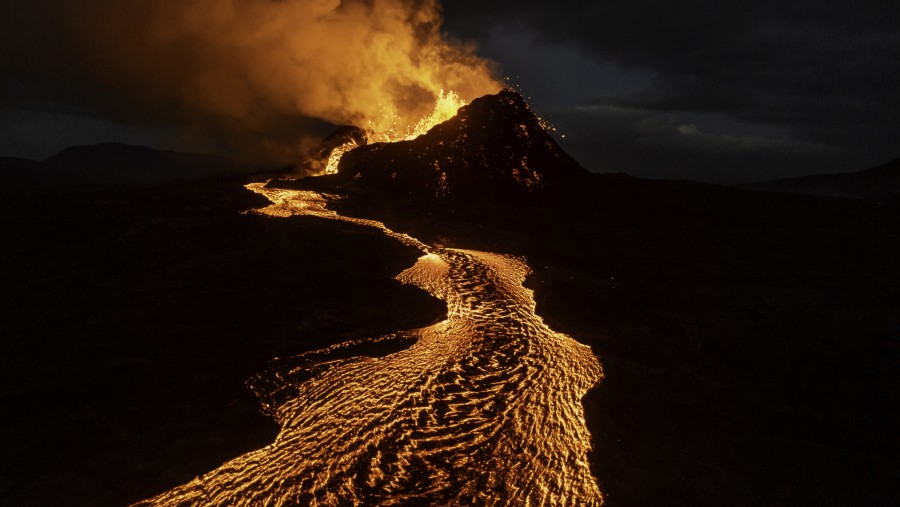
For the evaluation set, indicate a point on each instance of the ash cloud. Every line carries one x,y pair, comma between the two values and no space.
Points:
258,76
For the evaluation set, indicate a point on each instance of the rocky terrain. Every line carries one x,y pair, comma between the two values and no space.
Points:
133,318
749,339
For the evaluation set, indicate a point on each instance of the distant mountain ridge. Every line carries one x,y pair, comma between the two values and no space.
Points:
881,181
113,166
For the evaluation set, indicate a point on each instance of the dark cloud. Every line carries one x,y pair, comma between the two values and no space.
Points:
656,144
816,74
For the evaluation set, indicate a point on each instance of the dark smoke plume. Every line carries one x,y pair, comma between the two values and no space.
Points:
263,76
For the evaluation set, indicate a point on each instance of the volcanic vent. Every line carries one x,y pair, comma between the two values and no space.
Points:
494,145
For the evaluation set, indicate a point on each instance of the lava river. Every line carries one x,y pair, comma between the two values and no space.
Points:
484,408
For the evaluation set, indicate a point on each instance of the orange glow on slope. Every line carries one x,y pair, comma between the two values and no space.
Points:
445,107
390,128
335,158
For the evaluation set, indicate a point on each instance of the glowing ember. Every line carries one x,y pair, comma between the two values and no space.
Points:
445,107
335,158
391,129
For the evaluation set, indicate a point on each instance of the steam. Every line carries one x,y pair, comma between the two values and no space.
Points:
261,75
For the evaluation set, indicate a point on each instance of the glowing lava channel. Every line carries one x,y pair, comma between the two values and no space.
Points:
445,107
483,409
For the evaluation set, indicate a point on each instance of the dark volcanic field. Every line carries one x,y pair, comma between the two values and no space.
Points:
750,340
131,320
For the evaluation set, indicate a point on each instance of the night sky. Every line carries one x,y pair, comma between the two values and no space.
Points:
721,91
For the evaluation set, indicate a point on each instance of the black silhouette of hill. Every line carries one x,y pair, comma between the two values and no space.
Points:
494,146
113,165
879,182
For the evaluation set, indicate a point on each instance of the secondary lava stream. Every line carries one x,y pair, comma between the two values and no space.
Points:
484,408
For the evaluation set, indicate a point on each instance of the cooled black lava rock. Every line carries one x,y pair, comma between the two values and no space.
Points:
494,145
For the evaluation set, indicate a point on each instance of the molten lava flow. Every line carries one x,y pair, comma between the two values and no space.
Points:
445,107
390,128
483,409
335,158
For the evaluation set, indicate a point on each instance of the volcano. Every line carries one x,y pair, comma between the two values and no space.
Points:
745,360
494,146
